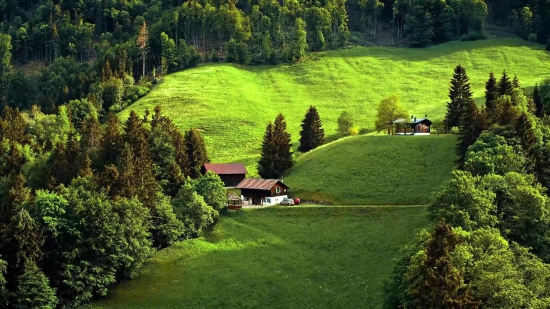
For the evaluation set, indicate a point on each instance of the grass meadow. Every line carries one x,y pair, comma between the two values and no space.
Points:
370,170
232,104
293,257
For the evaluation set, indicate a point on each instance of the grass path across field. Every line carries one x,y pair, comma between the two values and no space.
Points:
277,257
232,103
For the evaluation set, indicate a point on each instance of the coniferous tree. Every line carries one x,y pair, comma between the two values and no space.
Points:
439,284
33,289
505,86
112,142
134,132
537,100
312,134
16,196
267,160
491,93
283,154
196,152
515,83
91,134
459,95
470,129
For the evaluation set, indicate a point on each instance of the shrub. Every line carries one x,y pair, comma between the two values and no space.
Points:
345,123
473,36
354,130
214,56
532,37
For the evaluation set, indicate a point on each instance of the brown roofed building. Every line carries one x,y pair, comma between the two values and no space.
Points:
231,174
263,191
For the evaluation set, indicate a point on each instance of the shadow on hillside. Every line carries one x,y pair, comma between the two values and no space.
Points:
431,52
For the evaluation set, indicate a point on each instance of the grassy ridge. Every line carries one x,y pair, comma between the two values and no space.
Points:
395,170
232,104
293,257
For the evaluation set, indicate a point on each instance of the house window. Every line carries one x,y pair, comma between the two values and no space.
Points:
277,190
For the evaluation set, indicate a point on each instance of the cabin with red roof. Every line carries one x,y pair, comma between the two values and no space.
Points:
263,192
231,174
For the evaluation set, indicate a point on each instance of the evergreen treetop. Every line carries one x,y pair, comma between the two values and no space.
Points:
491,92
459,95
505,86
312,134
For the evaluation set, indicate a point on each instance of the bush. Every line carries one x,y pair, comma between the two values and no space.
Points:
473,36
532,37
214,56
354,130
345,123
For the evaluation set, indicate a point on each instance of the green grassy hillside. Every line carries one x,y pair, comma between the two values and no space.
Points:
297,257
389,170
232,104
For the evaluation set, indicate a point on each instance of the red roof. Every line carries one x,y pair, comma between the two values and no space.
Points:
259,184
225,169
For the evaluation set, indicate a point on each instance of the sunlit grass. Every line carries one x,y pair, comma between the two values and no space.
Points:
293,257
398,170
232,103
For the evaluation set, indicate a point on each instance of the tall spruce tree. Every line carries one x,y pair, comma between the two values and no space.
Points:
267,158
283,158
312,134
439,283
459,95
196,152
112,143
515,83
539,112
491,93
470,129
505,86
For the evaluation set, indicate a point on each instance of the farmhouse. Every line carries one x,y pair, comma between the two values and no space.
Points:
414,126
231,174
263,191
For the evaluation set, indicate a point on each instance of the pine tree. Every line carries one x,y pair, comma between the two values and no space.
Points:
267,159
470,129
312,135
505,86
538,102
491,93
440,284
459,95
91,134
33,289
134,132
515,83
505,112
282,143
112,142
16,196
196,152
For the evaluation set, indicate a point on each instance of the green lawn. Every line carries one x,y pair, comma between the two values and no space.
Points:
232,103
297,257
365,170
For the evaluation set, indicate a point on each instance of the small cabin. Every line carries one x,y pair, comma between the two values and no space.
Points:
414,126
230,174
265,192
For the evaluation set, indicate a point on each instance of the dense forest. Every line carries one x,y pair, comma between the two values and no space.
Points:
491,244
110,53
83,207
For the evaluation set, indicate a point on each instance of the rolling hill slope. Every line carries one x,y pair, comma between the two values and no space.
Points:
232,104
294,257
384,170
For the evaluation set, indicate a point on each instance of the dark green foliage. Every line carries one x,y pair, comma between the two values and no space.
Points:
312,134
438,283
459,94
266,163
505,86
515,83
537,100
491,93
494,154
471,125
166,228
196,152
33,290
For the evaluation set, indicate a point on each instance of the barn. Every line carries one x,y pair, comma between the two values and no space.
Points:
231,174
414,126
263,192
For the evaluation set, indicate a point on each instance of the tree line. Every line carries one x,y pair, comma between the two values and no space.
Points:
489,247
83,206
